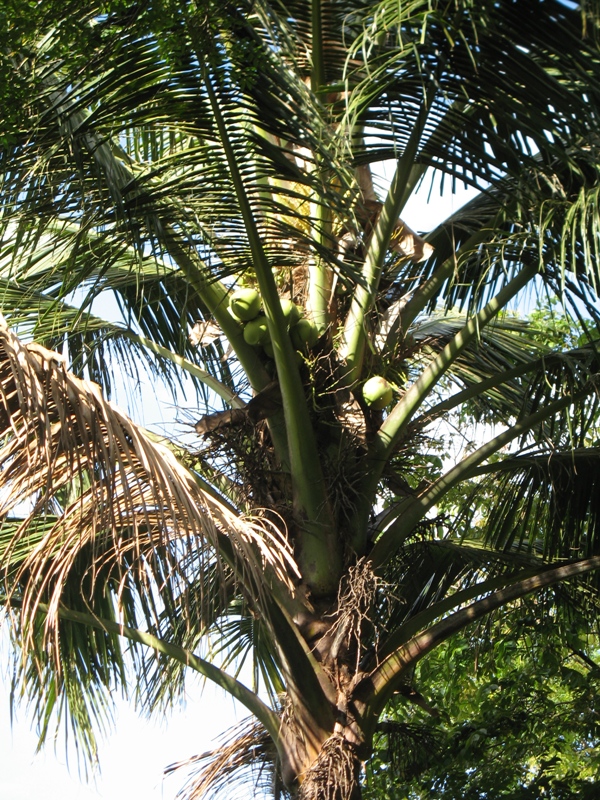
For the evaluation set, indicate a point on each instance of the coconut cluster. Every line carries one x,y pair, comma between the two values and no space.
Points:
245,304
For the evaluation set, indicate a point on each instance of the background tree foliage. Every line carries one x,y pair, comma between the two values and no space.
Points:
512,711
166,155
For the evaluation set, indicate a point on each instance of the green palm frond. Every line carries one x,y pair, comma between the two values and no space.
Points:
89,343
553,419
386,675
507,393
187,180
545,503
430,572
517,144
246,642
486,120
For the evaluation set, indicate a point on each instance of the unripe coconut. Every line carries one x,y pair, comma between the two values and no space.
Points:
377,393
291,312
245,304
304,334
256,331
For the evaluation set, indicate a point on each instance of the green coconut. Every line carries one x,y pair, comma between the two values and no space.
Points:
304,334
256,331
291,312
377,393
245,304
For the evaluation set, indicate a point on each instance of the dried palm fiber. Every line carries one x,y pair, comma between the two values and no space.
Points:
246,758
136,508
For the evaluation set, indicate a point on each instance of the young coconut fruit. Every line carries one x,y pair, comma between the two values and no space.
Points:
245,304
377,393
291,312
256,331
304,334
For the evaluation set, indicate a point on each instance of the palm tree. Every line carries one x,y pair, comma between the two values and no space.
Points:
202,162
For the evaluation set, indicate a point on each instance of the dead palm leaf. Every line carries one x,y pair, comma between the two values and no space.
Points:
69,457
246,756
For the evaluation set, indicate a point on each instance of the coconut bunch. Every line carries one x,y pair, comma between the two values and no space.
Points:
245,306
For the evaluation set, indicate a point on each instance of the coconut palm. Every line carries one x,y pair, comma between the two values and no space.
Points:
202,163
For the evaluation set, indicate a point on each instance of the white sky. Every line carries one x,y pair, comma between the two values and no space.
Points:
132,759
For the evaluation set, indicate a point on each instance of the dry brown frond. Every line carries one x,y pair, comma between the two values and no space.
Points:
247,756
109,496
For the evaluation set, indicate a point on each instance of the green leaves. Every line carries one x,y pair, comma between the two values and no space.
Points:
516,714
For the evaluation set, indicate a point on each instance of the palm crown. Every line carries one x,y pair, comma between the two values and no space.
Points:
206,163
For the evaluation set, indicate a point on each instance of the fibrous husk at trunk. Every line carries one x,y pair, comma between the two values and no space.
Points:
334,774
355,600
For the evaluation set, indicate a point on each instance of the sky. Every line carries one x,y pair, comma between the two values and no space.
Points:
134,756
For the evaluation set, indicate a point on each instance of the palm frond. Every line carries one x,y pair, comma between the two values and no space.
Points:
79,696
245,641
486,120
247,758
429,570
515,390
521,146
186,180
546,503
138,514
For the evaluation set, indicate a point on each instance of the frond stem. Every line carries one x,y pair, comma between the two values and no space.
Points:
319,557
416,509
394,425
355,337
317,77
